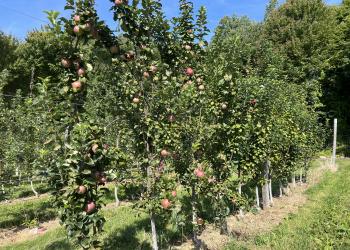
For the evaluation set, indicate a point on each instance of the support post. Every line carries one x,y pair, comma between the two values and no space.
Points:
270,193
334,153
281,189
240,193
257,197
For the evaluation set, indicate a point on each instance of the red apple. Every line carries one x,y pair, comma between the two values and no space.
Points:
76,29
164,153
76,85
130,55
76,18
153,69
165,203
136,100
145,74
189,71
199,173
94,148
173,193
81,190
118,2
66,63
253,102
90,207
81,72
106,146
114,49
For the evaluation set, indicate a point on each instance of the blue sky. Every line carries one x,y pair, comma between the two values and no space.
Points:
20,16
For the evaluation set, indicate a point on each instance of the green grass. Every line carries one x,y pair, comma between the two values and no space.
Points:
24,190
324,223
124,229
26,213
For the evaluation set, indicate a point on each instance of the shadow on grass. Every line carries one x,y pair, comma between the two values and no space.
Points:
21,214
59,245
127,237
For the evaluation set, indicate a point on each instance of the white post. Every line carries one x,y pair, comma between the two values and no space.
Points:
240,193
257,197
301,176
281,189
270,193
334,143
117,201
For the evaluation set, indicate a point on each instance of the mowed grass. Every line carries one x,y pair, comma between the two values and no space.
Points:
324,223
124,229
24,213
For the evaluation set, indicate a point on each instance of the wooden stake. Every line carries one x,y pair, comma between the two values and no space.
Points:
257,197
334,153
265,188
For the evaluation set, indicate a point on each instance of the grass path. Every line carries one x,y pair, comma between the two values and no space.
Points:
323,223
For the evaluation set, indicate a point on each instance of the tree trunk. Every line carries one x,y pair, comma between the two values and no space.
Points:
117,201
2,188
195,239
265,188
301,176
154,233
32,186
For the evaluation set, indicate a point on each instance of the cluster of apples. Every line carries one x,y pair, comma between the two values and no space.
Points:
80,71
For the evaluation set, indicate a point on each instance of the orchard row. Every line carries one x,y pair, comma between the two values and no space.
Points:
156,107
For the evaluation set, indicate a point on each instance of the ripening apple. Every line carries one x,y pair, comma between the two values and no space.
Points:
153,69
130,55
81,72
165,203
253,101
81,189
94,148
164,153
173,193
145,74
106,146
102,180
224,106
118,2
76,85
114,49
90,207
199,173
76,29
66,63
201,87
189,71
136,100
76,18
188,47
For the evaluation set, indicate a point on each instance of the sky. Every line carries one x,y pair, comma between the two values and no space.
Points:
20,16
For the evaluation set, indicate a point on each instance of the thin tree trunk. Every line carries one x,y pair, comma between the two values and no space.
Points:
301,176
195,239
154,233
32,186
117,201
265,188
257,197
2,188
